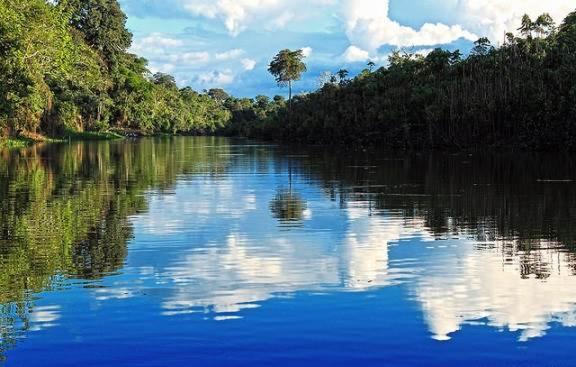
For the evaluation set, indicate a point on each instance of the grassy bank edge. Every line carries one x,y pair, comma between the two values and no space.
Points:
26,140
91,135
15,142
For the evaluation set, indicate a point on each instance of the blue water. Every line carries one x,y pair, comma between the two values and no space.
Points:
244,254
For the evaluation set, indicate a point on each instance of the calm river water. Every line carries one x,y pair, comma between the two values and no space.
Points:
215,252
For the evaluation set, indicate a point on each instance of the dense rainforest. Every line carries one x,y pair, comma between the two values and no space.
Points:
65,67
520,95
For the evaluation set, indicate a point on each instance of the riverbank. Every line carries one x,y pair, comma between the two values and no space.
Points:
28,139
15,142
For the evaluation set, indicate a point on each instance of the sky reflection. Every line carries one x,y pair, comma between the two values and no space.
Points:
238,257
224,249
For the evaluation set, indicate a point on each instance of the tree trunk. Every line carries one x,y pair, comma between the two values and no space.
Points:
289,102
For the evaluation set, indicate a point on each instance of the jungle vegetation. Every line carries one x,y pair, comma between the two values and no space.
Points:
65,68
520,95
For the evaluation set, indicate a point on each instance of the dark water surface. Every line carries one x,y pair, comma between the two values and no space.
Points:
212,252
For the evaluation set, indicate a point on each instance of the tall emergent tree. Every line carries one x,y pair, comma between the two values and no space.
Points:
527,26
287,67
102,23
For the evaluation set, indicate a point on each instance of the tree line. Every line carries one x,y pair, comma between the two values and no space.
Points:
65,67
519,95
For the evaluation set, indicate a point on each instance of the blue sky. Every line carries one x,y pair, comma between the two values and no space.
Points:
229,43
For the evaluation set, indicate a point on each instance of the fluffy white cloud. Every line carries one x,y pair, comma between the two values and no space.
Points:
238,14
282,20
216,78
248,64
158,40
190,58
307,51
155,43
493,18
229,55
481,287
161,67
369,27
355,54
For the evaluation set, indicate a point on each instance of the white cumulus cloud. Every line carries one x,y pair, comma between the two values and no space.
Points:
493,18
229,55
369,27
161,67
248,64
355,54
216,78
237,15
155,43
307,51
190,57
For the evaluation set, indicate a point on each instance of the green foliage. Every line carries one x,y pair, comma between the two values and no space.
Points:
218,94
14,143
521,95
64,69
102,24
287,66
251,117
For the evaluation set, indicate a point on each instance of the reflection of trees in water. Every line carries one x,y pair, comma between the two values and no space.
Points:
64,211
288,207
525,201
10,316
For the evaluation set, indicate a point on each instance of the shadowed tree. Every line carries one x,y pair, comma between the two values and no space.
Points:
371,65
342,75
262,102
218,94
481,47
65,68
527,26
567,35
102,23
324,78
287,66
544,25
165,80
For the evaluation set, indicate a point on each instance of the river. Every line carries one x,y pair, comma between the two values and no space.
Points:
215,252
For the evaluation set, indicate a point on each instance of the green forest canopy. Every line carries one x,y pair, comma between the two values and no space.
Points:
65,67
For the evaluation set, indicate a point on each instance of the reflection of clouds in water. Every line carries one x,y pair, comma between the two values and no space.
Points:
231,278
104,294
44,317
479,285
455,285
203,200
247,271
366,247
